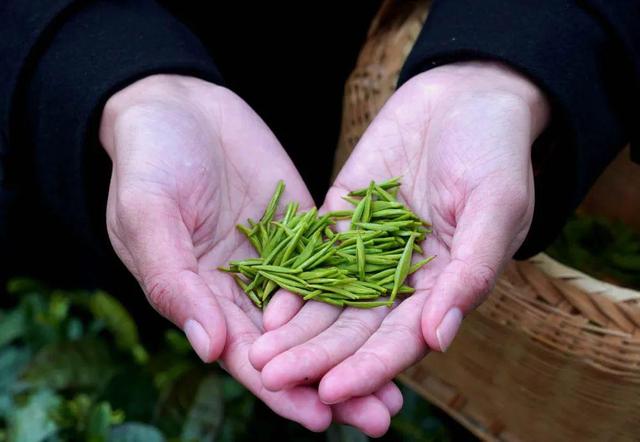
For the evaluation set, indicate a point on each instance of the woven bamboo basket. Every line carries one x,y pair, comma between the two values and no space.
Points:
553,354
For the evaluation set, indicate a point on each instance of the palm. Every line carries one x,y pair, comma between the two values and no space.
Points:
216,199
445,173
464,162
185,174
177,192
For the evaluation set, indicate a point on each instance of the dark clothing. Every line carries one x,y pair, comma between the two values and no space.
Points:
61,59
584,54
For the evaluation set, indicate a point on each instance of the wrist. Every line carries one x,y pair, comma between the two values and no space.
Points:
157,96
494,83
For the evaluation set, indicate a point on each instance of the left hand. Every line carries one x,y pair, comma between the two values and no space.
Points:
188,165
460,136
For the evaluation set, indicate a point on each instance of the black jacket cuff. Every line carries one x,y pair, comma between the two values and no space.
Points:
98,50
584,78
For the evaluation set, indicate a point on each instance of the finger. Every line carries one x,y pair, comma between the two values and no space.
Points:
490,230
396,345
391,397
156,247
300,404
334,202
284,305
312,319
281,308
309,361
368,414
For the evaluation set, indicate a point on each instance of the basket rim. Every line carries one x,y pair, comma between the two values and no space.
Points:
583,281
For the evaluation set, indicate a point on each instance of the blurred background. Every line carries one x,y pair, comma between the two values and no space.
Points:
73,367
75,364
554,354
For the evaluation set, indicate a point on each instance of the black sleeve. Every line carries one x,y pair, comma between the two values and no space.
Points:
60,60
585,55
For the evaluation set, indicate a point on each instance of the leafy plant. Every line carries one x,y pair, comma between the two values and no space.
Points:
73,368
605,249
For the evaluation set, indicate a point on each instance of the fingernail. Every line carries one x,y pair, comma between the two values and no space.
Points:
198,338
332,402
448,328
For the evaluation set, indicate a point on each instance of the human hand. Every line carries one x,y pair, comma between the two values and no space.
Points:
460,136
190,161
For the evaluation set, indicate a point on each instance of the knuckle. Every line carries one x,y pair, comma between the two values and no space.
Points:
353,326
126,219
520,198
509,103
311,354
160,293
481,278
224,94
238,340
379,367
128,204
404,334
136,213
514,196
294,328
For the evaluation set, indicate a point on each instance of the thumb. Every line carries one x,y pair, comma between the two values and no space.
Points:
489,231
154,243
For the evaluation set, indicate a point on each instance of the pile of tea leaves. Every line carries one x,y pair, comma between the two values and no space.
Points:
365,266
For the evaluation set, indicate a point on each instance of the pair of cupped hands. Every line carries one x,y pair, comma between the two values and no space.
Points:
192,159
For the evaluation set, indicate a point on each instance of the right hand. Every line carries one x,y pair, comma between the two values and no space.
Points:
190,161
460,135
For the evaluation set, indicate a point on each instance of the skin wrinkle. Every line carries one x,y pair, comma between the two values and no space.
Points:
195,199
296,326
159,291
403,142
480,276
225,171
200,241
306,315
403,330
392,318
352,325
372,359
305,358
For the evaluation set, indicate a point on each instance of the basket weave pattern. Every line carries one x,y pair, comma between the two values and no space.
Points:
553,354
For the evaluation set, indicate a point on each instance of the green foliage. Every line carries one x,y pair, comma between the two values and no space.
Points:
605,249
77,365
73,368
135,432
83,418
30,419
417,422
199,425
13,360
342,433
12,326
119,323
